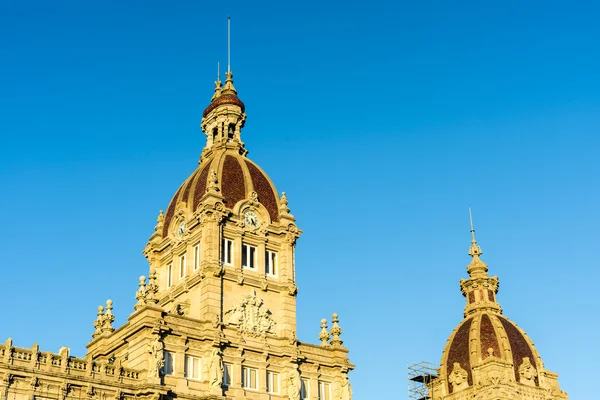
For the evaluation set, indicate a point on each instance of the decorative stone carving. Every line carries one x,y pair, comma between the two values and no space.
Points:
157,361
104,320
527,372
251,317
213,182
336,331
294,384
159,222
215,371
458,378
324,335
345,389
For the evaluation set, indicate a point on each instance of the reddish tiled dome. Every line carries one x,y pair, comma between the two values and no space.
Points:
223,99
238,177
486,335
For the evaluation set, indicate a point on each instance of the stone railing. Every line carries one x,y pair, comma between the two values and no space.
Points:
63,363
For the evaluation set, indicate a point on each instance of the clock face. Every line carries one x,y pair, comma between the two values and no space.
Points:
181,229
251,219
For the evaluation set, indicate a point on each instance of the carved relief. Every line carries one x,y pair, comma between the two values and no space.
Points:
215,370
251,317
293,383
527,372
345,389
157,361
458,378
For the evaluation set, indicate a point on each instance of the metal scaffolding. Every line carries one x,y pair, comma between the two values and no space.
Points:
420,375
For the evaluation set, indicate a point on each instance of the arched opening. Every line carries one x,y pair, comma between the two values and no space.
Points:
230,132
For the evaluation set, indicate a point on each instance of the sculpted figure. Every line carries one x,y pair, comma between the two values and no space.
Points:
458,378
157,360
527,372
294,384
346,389
237,315
215,369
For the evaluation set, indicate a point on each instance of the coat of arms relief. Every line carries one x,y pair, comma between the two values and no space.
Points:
250,316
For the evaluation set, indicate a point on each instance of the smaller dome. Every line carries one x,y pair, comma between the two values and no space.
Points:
484,336
224,99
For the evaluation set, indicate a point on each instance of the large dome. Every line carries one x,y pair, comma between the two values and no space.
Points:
238,178
487,337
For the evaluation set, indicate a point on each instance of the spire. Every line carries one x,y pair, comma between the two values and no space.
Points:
480,289
474,250
224,117
476,267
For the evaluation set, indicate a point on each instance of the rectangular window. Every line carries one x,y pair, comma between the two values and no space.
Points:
324,391
169,364
227,252
170,275
271,263
196,257
248,256
249,378
182,266
226,374
272,382
304,392
192,367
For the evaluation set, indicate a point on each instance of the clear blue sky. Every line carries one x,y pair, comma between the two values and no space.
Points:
383,121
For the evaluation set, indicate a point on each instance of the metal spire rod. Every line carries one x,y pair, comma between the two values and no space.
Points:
472,228
228,44
218,71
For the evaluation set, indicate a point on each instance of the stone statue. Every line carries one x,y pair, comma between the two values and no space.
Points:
157,361
346,389
215,370
527,372
459,378
294,384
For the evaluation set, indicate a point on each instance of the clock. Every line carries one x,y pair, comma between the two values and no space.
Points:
181,229
251,219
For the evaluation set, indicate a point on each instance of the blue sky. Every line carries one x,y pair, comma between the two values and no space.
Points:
383,121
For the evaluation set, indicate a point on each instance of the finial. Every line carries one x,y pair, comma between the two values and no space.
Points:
99,321
324,335
140,295
228,44
217,84
151,288
336,331
474,249
283,208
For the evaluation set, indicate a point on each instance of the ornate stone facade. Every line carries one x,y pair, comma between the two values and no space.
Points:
488,357
216,317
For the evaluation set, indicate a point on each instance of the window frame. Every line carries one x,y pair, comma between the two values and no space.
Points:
271,376
193,374
169,360
224,249
196,257
249,255
227,374
269,268
304,389
170,275
247,378
321,390
182,266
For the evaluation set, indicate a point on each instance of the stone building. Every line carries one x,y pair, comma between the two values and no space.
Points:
216,317
488,357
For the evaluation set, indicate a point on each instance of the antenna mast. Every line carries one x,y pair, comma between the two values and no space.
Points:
228,44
